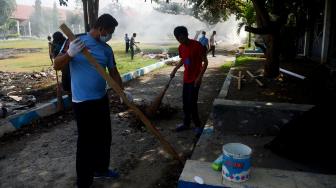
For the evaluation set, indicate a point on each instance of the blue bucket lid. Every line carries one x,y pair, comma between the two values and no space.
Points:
237,150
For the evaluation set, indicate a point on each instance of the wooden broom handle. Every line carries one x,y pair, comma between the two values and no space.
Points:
166,145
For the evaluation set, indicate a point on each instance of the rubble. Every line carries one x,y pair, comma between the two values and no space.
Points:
16,89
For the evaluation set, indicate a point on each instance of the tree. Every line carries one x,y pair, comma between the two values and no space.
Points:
173,8
248,19
55,21
7,8
271,16
90,11
36,19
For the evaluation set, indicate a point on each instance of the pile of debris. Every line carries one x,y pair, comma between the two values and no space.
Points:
172,62
160,56
7,53
16,89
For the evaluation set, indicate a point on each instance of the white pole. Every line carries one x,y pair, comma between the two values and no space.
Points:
29,28
292,74
18,27
326,31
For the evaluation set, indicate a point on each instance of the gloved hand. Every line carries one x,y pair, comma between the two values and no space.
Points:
128,96
75,47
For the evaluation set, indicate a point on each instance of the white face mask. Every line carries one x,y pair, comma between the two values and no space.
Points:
105,38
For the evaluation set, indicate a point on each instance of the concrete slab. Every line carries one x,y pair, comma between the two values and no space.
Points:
260,178
249,117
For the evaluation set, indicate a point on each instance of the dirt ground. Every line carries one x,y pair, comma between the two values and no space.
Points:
45,156
285,88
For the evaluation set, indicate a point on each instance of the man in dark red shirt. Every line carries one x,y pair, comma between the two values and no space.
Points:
192,55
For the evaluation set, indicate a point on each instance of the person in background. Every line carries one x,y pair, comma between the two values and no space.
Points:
127,43
212,44
50,46
204,41
192,55
133,45
58,42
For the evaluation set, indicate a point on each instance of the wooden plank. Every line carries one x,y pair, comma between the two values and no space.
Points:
252,76
239,80
152,129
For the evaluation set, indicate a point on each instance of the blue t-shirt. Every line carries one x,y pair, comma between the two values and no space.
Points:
204,41
86,82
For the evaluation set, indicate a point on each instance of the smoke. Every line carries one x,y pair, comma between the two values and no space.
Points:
156,27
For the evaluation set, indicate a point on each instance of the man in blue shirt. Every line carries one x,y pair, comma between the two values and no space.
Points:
127,42
204,41
90,101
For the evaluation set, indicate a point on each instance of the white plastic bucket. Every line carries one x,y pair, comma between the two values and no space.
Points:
236,162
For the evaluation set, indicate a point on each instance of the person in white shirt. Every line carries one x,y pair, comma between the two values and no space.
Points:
212,43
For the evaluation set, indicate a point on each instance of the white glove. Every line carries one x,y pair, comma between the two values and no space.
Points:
128,96
75,47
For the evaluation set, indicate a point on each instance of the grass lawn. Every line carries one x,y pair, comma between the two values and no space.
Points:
244,59
28,62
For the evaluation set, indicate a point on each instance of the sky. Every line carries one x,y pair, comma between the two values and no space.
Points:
71,3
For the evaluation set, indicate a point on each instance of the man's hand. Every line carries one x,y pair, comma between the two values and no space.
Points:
75,47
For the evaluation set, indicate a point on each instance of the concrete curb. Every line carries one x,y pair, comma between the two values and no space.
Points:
261,178
225,88
15,122
142,71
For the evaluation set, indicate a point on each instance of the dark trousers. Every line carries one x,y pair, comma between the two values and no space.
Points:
212,49
190,109
132,52
127,47
94,139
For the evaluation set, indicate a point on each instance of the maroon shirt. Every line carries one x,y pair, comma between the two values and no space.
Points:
192,57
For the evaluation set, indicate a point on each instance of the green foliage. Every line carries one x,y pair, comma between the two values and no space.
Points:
246,59
14,35
214,11
248,16
37,61
63,2
174,8
7,7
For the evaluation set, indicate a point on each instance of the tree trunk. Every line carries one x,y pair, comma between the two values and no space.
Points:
271,69
249,40
85,12
271,32
90,9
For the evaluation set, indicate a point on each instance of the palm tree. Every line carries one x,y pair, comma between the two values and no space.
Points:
248,19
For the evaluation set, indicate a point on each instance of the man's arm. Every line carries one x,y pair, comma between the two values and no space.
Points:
172,74
61,60
204,67
64,58
114,73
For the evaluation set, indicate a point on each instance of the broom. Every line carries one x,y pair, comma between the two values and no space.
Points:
155,105
60,102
